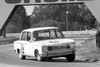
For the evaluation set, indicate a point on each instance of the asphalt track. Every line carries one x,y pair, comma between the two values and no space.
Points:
8,58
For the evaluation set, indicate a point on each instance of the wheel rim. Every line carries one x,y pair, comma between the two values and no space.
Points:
20,55
38,57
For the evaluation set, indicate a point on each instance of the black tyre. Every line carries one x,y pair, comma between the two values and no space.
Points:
21,56
70,57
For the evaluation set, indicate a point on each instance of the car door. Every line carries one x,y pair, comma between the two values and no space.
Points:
23,41
28,46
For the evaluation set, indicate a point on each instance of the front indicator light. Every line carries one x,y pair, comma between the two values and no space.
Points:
44,49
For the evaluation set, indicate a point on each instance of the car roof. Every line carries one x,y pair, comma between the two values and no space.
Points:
39,28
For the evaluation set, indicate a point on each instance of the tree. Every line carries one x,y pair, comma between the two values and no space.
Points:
57,12
20,20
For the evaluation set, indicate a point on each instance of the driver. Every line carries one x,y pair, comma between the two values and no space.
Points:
35,36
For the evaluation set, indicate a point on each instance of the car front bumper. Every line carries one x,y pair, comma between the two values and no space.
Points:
58,54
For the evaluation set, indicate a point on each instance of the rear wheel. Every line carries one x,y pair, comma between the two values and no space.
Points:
21,56
70,57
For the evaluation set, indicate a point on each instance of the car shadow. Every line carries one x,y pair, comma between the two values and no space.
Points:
64,60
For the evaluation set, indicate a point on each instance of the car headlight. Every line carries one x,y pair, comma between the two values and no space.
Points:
49,48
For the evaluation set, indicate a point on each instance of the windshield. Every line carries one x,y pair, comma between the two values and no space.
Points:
47,34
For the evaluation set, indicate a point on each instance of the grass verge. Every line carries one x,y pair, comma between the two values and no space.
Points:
7,40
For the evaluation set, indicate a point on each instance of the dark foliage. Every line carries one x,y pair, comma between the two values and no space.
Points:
78,16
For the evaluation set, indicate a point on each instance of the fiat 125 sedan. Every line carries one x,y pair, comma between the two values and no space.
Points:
44,43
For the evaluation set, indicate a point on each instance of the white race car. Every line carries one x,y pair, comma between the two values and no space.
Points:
45,43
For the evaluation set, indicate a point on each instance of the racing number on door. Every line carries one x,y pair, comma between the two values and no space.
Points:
22,48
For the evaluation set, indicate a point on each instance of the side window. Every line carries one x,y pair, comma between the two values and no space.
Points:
23,37
44,33
59,33
28,36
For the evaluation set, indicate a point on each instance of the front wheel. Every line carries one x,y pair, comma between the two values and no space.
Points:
38,57
21,56
70,57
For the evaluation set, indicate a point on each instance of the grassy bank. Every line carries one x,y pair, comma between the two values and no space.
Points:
88,50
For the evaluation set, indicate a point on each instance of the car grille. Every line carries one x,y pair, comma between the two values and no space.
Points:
50,48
